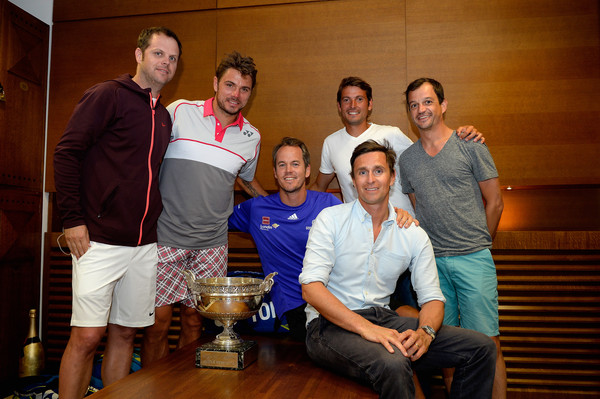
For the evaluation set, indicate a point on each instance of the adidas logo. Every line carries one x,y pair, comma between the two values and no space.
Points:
293,217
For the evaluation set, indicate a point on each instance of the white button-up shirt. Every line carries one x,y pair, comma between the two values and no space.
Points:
362,272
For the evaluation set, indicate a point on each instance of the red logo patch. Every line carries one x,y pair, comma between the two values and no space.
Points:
266,220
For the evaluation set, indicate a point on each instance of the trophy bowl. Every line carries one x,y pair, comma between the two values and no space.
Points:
227,300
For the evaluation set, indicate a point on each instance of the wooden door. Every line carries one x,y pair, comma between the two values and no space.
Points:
23,71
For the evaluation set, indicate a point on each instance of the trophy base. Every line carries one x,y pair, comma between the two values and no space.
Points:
217,357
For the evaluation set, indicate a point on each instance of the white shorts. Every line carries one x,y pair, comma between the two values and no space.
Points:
114,284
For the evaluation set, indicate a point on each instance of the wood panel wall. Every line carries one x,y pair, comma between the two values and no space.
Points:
23,71
518,70
74,10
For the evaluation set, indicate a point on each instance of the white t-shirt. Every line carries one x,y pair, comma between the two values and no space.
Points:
337,151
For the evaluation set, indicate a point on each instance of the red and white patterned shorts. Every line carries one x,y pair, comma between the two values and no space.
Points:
170,281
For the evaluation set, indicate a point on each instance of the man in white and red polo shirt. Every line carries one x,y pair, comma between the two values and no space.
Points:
211,145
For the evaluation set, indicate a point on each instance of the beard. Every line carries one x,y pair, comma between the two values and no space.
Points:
223,106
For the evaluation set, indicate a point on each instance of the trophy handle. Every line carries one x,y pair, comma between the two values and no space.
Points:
267,283
190,279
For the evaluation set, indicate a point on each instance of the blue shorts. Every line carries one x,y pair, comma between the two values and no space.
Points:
470,286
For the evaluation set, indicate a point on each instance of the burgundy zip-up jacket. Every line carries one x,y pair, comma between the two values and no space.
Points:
106,163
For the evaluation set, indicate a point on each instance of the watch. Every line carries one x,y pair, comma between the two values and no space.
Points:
430,331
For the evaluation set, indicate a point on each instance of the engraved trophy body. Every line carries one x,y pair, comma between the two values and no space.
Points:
227,300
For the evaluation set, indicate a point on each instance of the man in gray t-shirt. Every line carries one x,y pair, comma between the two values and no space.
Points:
454,188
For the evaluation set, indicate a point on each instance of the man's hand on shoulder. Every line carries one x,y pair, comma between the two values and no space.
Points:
470,132
78,240
404,218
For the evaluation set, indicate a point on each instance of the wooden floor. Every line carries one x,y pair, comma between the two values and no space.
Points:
282,370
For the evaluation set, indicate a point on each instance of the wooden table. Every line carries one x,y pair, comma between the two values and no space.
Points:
283,370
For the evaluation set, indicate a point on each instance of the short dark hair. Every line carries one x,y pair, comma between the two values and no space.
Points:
245,65
292,142
373,146
146,34
415,84
357,82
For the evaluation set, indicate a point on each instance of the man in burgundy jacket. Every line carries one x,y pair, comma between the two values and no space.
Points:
106,172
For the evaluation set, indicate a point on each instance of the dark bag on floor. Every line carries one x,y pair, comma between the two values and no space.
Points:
38,387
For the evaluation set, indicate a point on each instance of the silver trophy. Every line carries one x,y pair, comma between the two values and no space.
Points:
227,300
